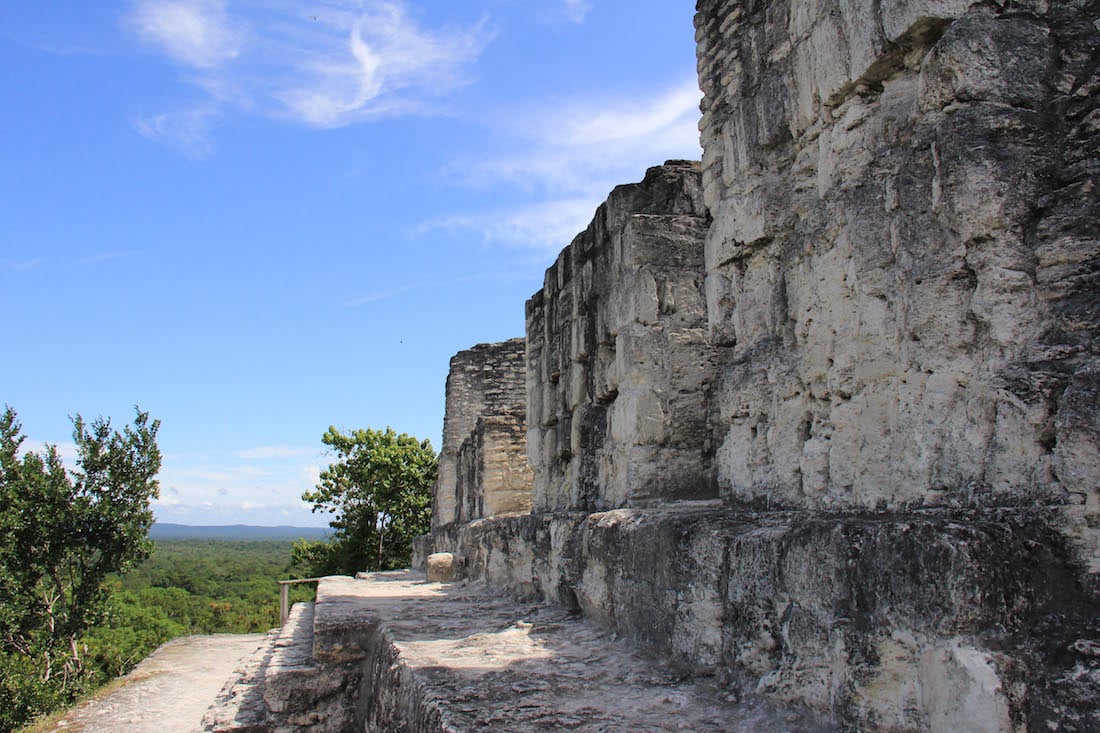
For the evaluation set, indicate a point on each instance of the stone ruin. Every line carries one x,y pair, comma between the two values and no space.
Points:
483,465
618,359
815,422
820,417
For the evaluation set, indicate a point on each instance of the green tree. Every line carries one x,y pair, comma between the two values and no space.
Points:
61,533
379,491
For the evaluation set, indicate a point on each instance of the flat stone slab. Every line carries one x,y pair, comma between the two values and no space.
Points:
461,657
170,690
240,706
293,647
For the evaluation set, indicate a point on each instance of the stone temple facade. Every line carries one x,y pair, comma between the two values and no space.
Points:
820,417
618,358
483,465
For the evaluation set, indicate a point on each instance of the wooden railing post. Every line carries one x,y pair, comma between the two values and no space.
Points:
284,596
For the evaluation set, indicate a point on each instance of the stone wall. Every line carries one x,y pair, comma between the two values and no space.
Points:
486,382
923,621
904,256
619,368
493,476
883,372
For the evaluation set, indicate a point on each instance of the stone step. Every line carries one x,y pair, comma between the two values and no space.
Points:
240,706
291,674
391,651
277,687
306,677
462,657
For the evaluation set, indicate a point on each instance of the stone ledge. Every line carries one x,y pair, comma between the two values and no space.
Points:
240,706
461,657
863,616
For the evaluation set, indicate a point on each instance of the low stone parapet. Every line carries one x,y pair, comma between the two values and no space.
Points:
308,677
464,657
916,621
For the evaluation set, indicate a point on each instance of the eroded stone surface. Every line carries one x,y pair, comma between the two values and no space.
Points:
240,706
872,618
904,253
493,475
482,465
170,690
443,567
464,658
619,368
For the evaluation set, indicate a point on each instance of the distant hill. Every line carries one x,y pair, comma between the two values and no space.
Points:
167,531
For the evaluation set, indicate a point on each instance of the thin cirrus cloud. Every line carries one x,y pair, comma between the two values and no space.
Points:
267,475
186,129
24,265
544,226
277,451
320,64
196,33
104,257
582,145
481,276
571,160
577,10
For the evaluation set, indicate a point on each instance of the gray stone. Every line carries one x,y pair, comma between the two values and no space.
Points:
443,567
619,367
895,277
481,453
817,420
894,385
925,620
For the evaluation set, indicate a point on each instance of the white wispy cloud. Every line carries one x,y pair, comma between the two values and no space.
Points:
574,146
568,156
246,512
218,476
187,129
543,226
104,257
245,480
276,451
24,265
197,33
85,261
577,10
479,277
380,295
364,71
318,63
671,117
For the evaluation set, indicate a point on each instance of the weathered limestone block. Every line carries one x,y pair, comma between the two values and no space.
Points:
443,567
485,382
493,475
619,365
929,620
905,251
895,383
464,658
900,17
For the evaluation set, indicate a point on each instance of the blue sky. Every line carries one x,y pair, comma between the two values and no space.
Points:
259,218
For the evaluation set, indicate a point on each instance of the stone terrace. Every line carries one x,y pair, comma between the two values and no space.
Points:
392,652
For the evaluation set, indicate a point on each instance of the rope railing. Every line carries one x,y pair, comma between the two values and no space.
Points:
284,596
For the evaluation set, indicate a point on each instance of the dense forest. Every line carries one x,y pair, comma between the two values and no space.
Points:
85,594
210,586
184,587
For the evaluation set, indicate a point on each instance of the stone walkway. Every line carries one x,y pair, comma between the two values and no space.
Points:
462,657
169,691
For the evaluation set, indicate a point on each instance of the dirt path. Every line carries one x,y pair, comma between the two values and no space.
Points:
169,691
